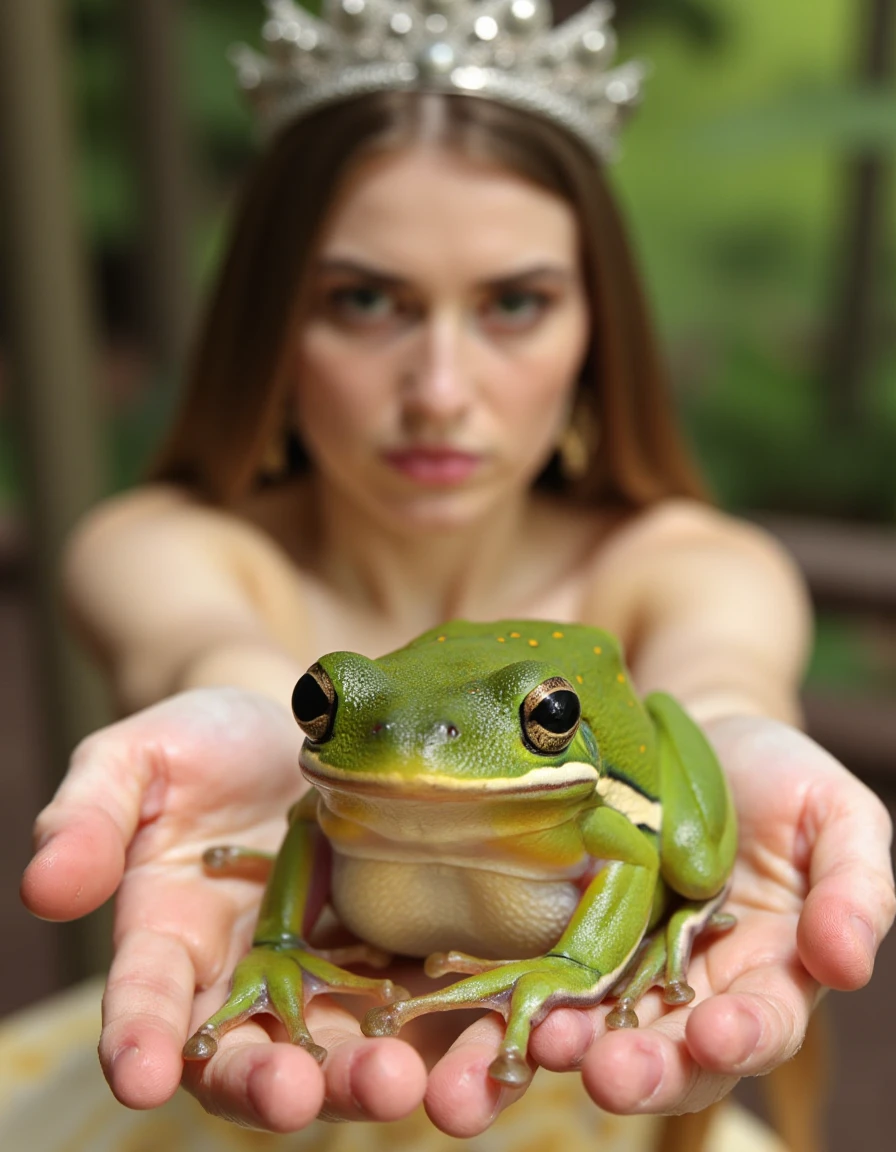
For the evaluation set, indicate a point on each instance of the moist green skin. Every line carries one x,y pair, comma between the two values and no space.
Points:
574,864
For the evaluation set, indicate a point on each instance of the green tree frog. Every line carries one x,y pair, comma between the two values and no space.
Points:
498,799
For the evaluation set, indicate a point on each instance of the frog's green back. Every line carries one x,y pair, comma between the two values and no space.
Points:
590,658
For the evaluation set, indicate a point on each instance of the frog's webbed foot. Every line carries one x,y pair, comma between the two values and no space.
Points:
664,958
280,979
229,860
523,991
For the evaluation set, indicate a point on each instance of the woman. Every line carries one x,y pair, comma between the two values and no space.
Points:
427,389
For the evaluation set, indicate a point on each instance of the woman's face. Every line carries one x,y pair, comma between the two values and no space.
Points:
444,328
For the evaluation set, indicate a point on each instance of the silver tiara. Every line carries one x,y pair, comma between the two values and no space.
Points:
504,50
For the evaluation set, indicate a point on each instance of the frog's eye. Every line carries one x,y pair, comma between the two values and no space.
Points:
314,704
550,716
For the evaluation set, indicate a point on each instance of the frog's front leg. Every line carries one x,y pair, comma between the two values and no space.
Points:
579,971
282,973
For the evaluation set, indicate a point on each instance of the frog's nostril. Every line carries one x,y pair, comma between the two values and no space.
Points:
451,731
380,726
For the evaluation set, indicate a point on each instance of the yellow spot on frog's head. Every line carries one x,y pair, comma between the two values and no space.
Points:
631,703
515,635
557,635
621,677
441,639
501,640
581,679
643,748
598,651
533,643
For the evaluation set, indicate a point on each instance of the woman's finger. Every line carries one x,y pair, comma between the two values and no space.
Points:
146,1015
253,1078
650,1071
81,837
691,1057
380,1080
254,1082
851,904
461,1099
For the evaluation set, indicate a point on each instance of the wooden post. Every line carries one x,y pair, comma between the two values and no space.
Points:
851,344
164,170
53,366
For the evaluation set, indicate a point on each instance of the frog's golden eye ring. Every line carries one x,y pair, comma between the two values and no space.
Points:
314,704
550,716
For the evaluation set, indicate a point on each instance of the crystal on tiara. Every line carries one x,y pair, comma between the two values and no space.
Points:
505,50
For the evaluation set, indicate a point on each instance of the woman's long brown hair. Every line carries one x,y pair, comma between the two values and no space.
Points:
235,397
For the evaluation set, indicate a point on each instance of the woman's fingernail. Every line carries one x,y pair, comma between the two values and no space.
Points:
865,934
125,1055
42,841
749,1027
649,1073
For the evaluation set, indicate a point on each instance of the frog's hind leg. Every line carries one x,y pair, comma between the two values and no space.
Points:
649,965
523,991
683,928
664,958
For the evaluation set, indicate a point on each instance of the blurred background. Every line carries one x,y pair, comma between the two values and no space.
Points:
757,180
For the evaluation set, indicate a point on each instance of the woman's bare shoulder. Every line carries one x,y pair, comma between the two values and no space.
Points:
687,528
149,507
680,551
160,523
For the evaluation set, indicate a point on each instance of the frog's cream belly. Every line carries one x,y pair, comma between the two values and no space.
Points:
417,908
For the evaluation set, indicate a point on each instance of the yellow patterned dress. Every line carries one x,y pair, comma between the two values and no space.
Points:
53,1098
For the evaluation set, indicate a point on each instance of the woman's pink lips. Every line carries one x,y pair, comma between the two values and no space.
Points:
435,466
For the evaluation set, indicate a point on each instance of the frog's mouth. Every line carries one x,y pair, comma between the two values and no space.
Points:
567,780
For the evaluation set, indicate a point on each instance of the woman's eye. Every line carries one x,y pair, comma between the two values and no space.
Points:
516,309
361,304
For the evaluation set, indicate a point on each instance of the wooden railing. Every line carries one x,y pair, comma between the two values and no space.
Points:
851,569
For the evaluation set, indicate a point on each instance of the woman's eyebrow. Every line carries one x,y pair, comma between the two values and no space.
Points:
345,266
556,272
340,266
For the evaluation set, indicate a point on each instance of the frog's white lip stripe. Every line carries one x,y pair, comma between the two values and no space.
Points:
538,780
640,809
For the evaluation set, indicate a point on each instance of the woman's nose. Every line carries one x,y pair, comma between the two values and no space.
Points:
437,376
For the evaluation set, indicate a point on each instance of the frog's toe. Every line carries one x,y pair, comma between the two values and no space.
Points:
678,992
623,1015
202,1045
385,1021
319,1053
441,963
391,993
510,1067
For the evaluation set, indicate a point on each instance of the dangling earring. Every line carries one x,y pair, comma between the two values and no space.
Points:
278,458
578,441
274,462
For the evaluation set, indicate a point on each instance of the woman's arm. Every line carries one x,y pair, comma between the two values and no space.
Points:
161,590
718,613
718,616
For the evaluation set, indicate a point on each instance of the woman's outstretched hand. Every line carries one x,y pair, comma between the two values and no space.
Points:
813,893
813,896
141,802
